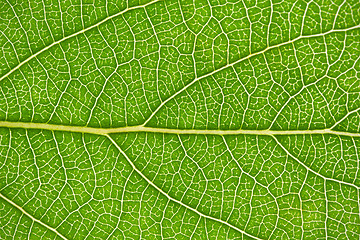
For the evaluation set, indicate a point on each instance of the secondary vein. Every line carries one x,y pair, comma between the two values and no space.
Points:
31,217
175,200
73,35
196,79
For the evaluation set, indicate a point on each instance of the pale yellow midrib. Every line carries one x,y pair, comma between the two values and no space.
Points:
139,128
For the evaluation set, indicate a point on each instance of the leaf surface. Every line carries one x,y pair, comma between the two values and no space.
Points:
179,119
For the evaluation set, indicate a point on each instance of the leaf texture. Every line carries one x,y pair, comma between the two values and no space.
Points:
180,119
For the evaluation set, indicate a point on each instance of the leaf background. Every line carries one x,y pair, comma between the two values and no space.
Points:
179,119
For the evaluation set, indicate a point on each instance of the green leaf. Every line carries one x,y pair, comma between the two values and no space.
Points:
179,119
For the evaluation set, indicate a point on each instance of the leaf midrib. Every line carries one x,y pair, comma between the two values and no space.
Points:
141,128
76,129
